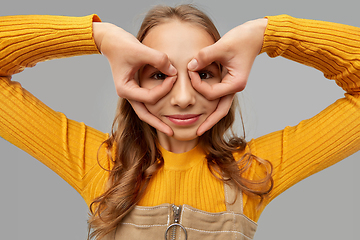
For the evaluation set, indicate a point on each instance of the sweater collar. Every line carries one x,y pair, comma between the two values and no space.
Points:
182,161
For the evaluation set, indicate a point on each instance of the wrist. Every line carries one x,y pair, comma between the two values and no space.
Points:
99,31
262,23
256,30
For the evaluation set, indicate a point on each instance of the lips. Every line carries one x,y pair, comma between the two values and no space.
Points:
183,119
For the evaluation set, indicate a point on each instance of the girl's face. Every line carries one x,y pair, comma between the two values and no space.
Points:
183,108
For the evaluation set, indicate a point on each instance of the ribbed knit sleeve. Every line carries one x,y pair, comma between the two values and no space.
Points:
67,147
27,40
332,135
329,47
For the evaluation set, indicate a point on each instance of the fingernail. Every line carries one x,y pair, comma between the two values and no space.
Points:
169,133
172,70
192,64
198,132
173,80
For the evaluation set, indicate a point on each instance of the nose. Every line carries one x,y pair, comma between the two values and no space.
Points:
182,93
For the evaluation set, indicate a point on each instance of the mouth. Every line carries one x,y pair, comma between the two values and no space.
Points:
183,119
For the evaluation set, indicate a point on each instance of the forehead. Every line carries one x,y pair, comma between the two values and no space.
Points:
175,37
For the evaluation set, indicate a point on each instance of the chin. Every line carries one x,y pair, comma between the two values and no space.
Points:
183,135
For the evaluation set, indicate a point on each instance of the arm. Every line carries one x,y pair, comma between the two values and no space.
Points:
332,135
27,40
60,143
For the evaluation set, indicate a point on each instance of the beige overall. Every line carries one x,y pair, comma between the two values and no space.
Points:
183,222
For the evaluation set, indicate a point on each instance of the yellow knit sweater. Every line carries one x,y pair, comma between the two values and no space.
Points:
70,148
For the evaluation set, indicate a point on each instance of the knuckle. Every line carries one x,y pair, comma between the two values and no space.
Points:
210,94
212,97
202,55
240,86
119,92
163,59
152,99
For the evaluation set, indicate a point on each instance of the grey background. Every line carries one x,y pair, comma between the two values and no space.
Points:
37,204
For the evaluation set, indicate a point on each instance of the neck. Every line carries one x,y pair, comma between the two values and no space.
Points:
174,145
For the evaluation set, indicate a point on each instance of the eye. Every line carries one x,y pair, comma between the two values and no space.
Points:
158,76
205,75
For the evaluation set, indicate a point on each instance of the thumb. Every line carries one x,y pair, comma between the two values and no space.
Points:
159,60
205,57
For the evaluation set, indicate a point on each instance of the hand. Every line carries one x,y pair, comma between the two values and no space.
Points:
126,56
236,51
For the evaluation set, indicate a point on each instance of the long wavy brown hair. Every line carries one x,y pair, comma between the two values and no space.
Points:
132,146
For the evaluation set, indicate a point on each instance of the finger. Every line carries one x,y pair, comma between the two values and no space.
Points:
220,112
233,82
228,85
201,86
132,91
149,118
215,91
206,56
161,90
158,60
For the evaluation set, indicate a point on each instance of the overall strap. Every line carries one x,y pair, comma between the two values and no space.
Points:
230,194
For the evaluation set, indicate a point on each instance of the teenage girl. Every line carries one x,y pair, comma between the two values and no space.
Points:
171,168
